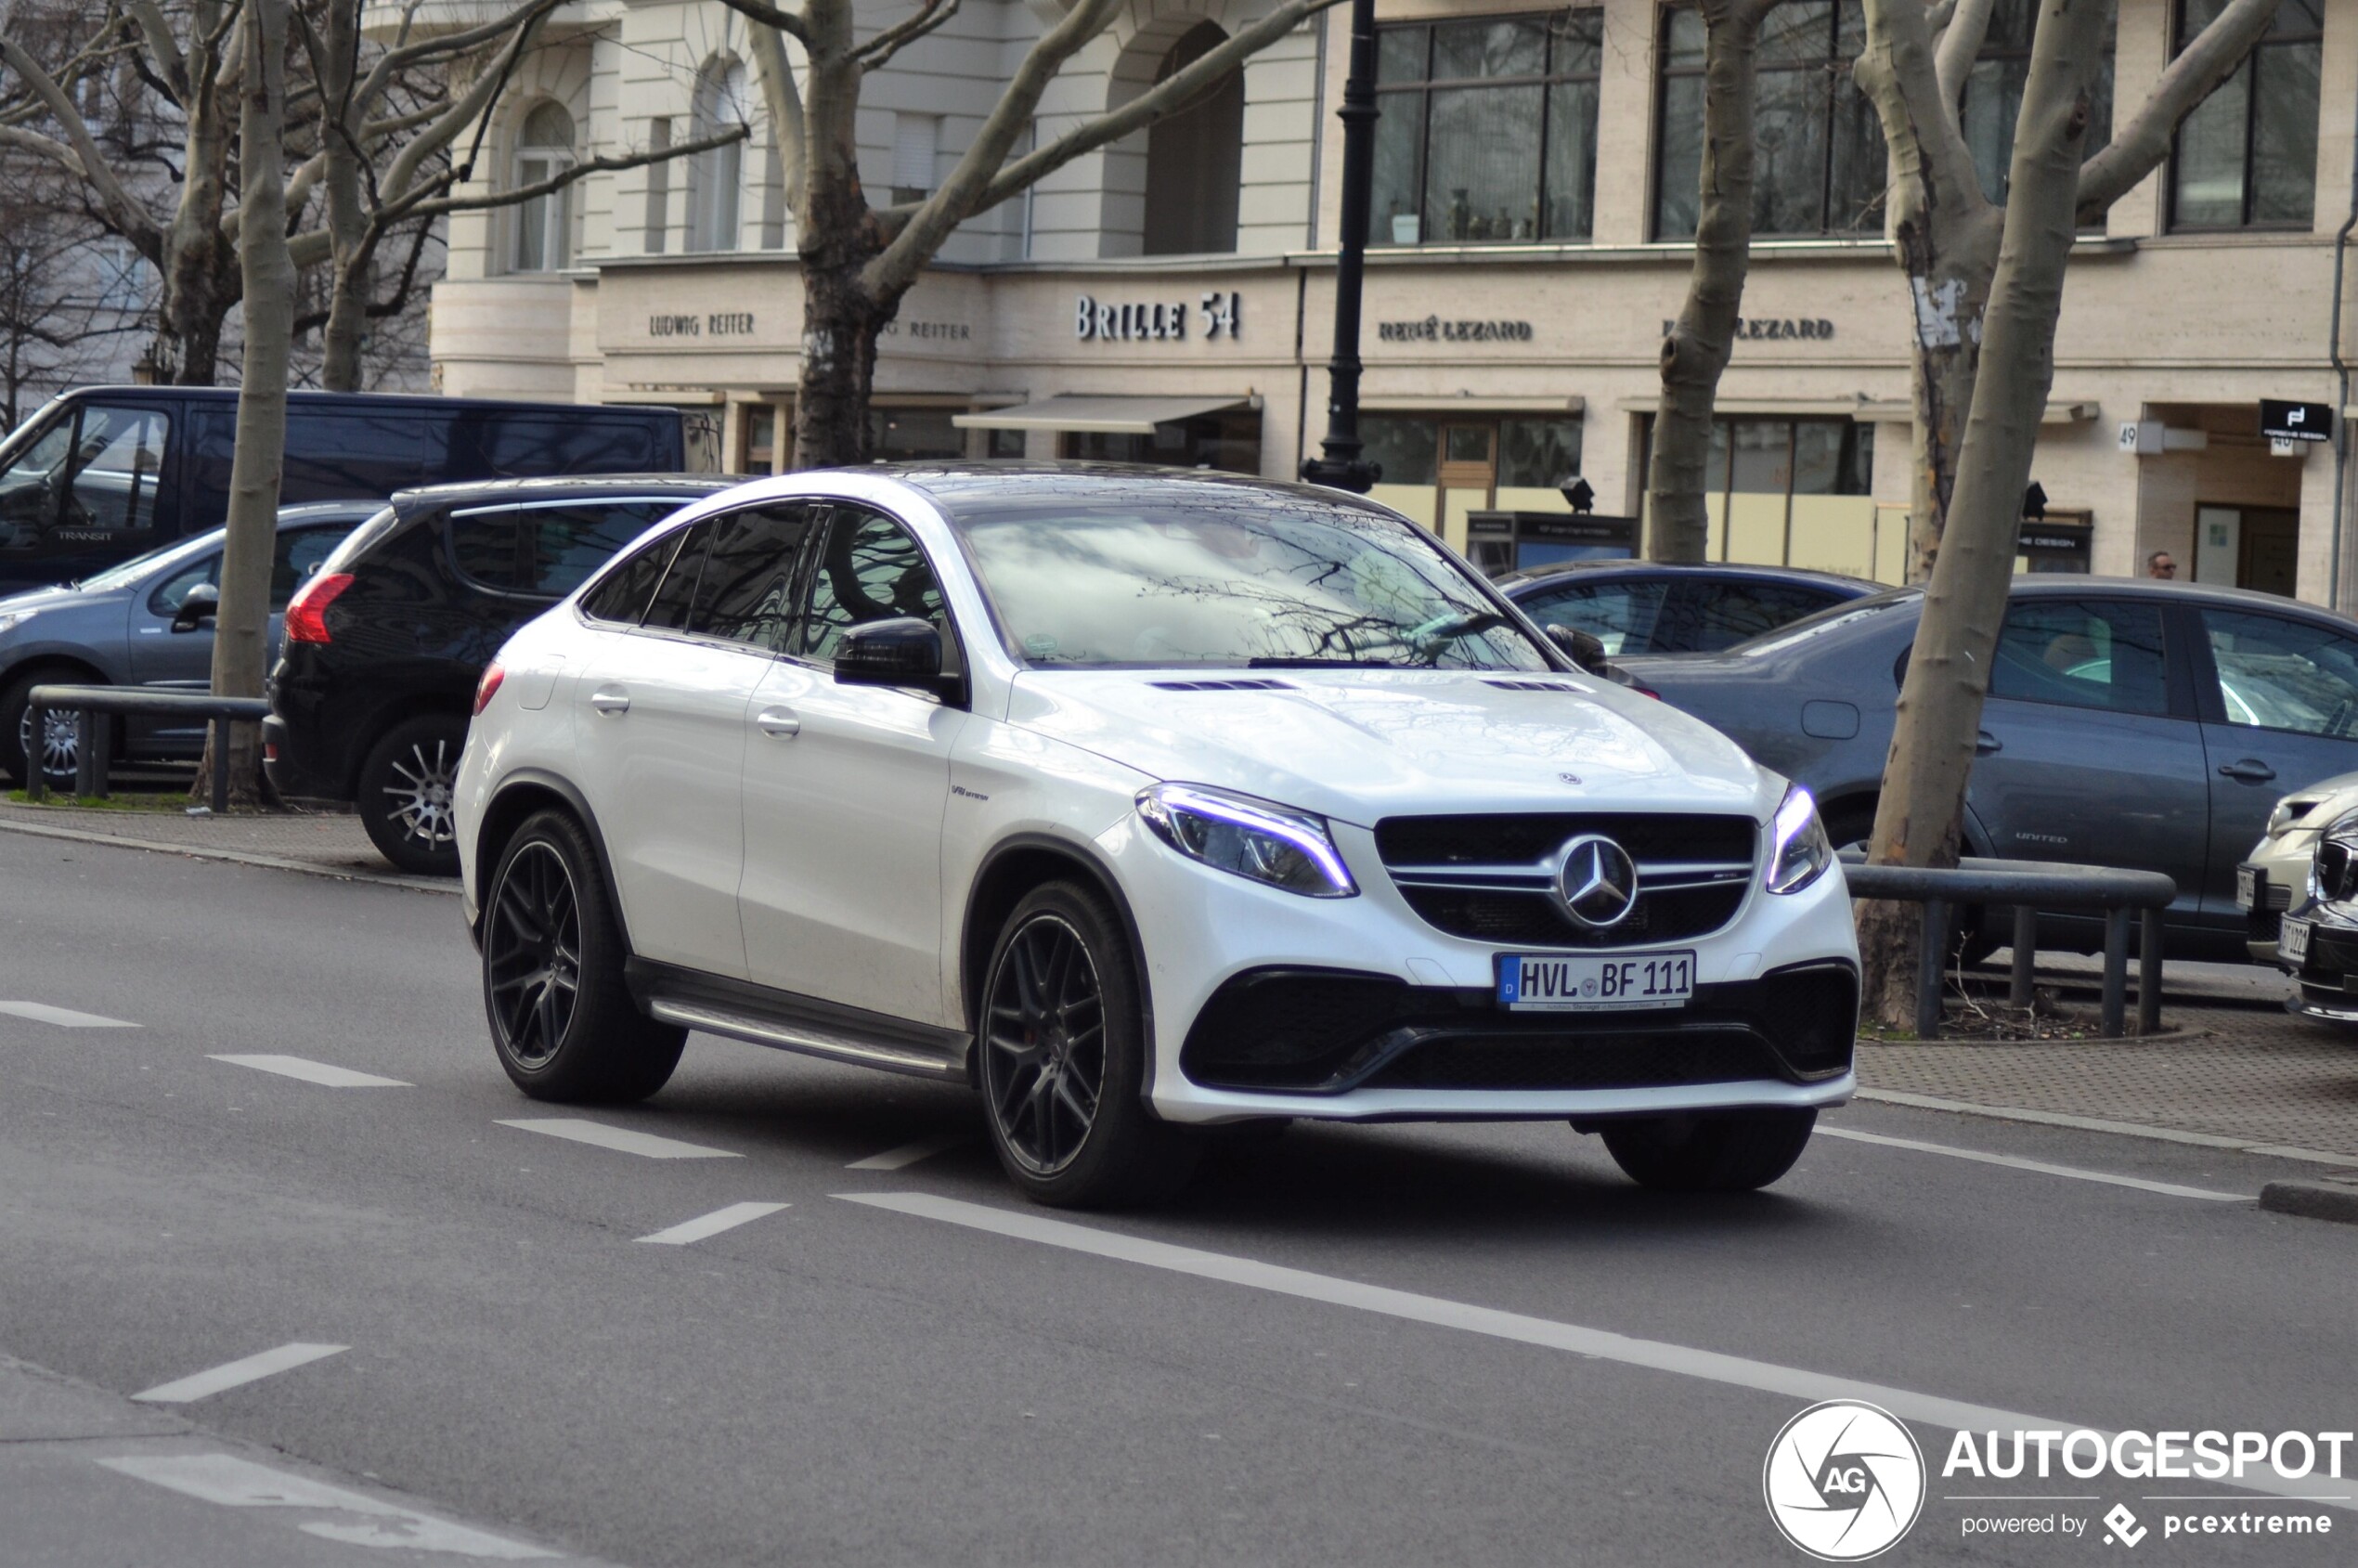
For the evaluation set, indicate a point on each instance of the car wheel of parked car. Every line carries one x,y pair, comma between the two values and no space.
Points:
1709,1151
59,747
405,794
1062,1046
562,1018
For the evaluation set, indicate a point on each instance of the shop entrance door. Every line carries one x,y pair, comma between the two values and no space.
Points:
1468,467
2255,547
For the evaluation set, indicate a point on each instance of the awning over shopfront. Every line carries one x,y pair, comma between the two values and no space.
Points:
1100,416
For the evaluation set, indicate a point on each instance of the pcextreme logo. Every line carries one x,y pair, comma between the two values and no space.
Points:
1845,1481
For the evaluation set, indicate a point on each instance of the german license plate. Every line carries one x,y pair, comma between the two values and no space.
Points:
2247,885
1581,983
2292,940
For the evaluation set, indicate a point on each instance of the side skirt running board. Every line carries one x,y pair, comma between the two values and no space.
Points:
761,1016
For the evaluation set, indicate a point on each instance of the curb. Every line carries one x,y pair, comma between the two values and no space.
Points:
2312,1200
2096,1124
239,857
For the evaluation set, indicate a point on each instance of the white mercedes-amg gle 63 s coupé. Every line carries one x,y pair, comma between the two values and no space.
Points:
1144,801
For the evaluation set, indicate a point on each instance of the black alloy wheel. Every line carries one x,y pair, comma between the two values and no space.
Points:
561,1016
1061,1042
1045,1044
532,956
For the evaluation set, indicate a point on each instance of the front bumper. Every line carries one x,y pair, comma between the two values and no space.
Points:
1268,1005
2276,880
2326,982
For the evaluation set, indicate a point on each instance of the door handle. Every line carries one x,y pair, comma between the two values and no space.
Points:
1985,742
610,699
778,721
2247,770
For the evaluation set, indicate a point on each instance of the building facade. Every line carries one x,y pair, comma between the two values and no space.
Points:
1169,297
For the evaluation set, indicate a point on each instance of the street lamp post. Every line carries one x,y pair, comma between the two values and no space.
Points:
1342,466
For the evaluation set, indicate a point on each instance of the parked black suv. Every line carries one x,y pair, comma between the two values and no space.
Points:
386,641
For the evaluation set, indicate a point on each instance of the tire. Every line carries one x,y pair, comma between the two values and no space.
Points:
1062,1038
405,792
1709,1151
1850,824
549,918
63,750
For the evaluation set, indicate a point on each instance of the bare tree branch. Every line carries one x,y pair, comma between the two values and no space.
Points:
1959,44
775,72
2138,148
788,22
928,16
124,212
515,195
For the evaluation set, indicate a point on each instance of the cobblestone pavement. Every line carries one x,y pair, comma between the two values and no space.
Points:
332,845
2233,1067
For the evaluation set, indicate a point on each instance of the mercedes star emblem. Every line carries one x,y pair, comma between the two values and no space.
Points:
1595,882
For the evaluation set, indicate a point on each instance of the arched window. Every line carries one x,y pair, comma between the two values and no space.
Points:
1194,158
543,225
717,179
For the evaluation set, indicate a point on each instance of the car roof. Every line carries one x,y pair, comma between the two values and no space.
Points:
1627,566
953,481
687,486
2074,585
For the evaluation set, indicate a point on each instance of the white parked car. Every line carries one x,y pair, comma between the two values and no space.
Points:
1143,801
2275,876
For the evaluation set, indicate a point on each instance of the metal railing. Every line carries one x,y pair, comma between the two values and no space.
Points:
2028,886
94,737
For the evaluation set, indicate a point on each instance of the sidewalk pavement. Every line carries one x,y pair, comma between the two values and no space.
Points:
91,1479
2234,1069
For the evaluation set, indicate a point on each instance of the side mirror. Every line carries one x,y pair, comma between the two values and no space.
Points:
900,652
1585,649
197,607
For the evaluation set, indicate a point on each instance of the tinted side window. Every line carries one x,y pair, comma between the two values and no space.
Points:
746,593
334,455
623,597
546,551
527,444
869,570
1720,613
2082,652
165,599
1620,615
299,551
675,602
2279,674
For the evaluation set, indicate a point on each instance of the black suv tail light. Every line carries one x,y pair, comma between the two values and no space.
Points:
307,612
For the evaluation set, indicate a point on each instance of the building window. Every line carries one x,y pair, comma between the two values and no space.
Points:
911,434
1488,130
544,224
717,178
1820,169
2247,157
1792,493
1439,470
1993,95
1194,158
916,144
1229,440
658,186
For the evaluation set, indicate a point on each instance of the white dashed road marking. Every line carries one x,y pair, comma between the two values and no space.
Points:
909,1154
1736,1372
712,1223
622,1138
234,1483
270,1363
64,1018
316,1072
2011,1161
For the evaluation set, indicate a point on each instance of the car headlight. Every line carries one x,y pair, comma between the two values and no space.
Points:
1799,851
1247,837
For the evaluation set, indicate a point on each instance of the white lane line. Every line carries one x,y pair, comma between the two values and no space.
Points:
909,1154
2016,1162
64,1018
234,1483
622,1138
712,1223
1711,1366
252,1368
315,1073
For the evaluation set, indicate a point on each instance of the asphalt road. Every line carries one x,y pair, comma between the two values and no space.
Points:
1409,1344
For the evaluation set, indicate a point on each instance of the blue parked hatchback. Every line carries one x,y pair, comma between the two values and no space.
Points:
1647,608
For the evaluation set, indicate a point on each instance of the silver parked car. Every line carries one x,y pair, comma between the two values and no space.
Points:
2134,723
124,627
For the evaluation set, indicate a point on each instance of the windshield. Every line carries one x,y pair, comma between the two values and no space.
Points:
1270,580
125,573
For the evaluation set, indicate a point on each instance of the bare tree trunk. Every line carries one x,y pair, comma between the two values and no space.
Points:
1939,711
352,237
1693,355
240,638
838,237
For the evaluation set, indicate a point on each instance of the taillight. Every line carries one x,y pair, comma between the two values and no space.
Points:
492,676
307,615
